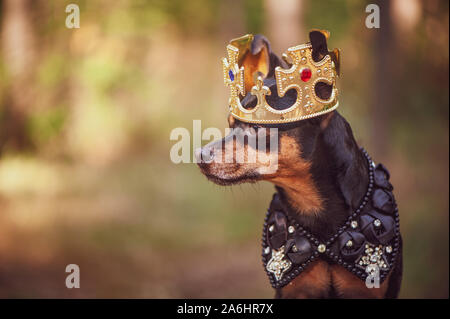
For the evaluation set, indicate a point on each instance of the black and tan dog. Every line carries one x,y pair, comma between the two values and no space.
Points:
321,179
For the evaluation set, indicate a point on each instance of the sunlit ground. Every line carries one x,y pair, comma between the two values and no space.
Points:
135,230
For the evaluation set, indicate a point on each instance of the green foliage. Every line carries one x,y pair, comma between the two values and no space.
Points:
45,125
52,71
254,11
332,15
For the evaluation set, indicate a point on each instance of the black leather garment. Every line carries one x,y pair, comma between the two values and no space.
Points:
367,244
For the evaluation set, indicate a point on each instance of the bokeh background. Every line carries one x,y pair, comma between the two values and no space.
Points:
85,120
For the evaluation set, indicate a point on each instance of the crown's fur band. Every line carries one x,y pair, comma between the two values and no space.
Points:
302,76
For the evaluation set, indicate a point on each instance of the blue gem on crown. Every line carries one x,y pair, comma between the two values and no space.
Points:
231,75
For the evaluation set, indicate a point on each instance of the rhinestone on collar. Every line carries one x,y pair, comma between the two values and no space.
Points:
278,264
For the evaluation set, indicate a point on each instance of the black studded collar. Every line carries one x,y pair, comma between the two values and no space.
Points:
366,244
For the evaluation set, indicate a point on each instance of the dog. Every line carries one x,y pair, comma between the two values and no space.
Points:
321,179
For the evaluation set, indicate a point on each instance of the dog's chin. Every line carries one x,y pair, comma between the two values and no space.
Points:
227,181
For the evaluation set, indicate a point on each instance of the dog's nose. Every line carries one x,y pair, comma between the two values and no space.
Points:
204,155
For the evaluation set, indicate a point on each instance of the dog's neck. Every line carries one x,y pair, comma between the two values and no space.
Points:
340,173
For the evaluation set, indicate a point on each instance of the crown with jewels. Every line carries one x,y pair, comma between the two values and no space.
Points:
303,75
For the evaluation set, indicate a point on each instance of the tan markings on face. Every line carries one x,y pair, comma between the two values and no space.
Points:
234,158
348,285
313,282
294,176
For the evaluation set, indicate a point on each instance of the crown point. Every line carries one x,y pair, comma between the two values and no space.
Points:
305,74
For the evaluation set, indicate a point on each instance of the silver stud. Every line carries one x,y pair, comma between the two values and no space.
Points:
349,243
291,229
377,222
389,249
321,248
266,250
354,224
271,228
294,249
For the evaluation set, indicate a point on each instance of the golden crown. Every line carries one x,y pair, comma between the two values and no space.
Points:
303,75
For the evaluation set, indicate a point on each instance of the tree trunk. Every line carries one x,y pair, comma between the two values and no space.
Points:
18,54
382,80
284,24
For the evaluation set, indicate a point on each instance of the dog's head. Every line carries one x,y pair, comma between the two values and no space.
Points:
247,154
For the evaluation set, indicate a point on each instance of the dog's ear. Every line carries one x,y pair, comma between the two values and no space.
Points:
318,39
257,58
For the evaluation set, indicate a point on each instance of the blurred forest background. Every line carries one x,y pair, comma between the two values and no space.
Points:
85,119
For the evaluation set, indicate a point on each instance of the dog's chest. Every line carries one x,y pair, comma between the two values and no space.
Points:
364,249
324,280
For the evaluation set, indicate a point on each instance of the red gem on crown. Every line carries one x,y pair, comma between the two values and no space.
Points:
305,74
